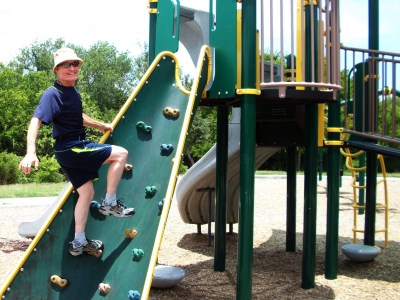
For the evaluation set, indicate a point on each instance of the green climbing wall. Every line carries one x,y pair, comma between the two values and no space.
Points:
152,167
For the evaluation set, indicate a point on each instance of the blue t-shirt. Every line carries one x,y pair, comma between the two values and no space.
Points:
62,107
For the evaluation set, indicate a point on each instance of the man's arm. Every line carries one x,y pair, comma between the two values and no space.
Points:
30,157
89,122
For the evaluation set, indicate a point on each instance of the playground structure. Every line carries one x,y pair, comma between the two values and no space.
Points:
286,110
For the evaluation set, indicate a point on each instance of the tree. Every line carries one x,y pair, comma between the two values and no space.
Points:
19,95
37,57
107,76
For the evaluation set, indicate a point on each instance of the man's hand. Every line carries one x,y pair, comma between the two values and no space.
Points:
27,162
107,127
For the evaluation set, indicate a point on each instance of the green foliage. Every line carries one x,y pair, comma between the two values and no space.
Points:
202,133
19,96
106,76
49,171
37,57
141,64
106,80
8,168
276,56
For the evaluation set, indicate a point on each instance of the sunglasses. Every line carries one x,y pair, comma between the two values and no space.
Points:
66,64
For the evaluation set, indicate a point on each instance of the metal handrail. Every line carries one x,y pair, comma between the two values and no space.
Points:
378,93
327,62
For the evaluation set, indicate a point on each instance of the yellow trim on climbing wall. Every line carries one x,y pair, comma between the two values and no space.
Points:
204,52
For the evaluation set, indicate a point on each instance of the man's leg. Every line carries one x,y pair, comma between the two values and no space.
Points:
112,206
80,243
117,161
86,194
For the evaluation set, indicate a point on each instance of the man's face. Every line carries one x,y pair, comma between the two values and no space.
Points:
67,72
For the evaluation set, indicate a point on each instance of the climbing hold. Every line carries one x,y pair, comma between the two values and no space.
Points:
128,168
137,254
133,295
104,288
150,191
161,204
61,282
130,233
171,112
166,149
95,205
143,127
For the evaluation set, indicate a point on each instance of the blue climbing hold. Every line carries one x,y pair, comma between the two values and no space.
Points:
150,191
166,149
143,127
95,205
133,295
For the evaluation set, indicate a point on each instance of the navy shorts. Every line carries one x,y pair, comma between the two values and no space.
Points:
81,159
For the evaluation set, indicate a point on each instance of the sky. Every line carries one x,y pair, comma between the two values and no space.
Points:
124,23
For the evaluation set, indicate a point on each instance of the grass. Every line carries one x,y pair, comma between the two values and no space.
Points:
53,189
31,190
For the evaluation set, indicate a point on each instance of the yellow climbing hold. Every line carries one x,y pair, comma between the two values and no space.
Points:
61,282
171,112
130,233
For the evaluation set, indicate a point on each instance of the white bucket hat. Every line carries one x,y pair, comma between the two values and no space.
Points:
65,54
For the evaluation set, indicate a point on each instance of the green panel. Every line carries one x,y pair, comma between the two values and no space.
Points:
223,39
167,32
151,167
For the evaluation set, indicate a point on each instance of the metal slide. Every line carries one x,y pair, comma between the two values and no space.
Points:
192,190
127,264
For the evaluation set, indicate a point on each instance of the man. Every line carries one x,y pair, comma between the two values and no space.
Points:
61,105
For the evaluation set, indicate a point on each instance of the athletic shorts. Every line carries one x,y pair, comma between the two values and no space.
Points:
81,159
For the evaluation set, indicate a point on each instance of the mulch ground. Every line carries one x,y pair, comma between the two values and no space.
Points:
276,273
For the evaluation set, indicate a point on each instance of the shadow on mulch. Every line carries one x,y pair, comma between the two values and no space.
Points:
8,246
276,273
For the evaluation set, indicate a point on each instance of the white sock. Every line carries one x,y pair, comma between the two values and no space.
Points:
110,199
80,238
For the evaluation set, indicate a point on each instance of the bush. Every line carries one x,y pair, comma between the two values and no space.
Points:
49,170
8,168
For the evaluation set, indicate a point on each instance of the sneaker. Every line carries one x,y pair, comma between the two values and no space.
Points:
90,246
119,210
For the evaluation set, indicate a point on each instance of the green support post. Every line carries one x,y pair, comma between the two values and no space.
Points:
361,70
221,189
370,203
291,199
152,30
372,159
333,173
247,152
320,159
310,163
